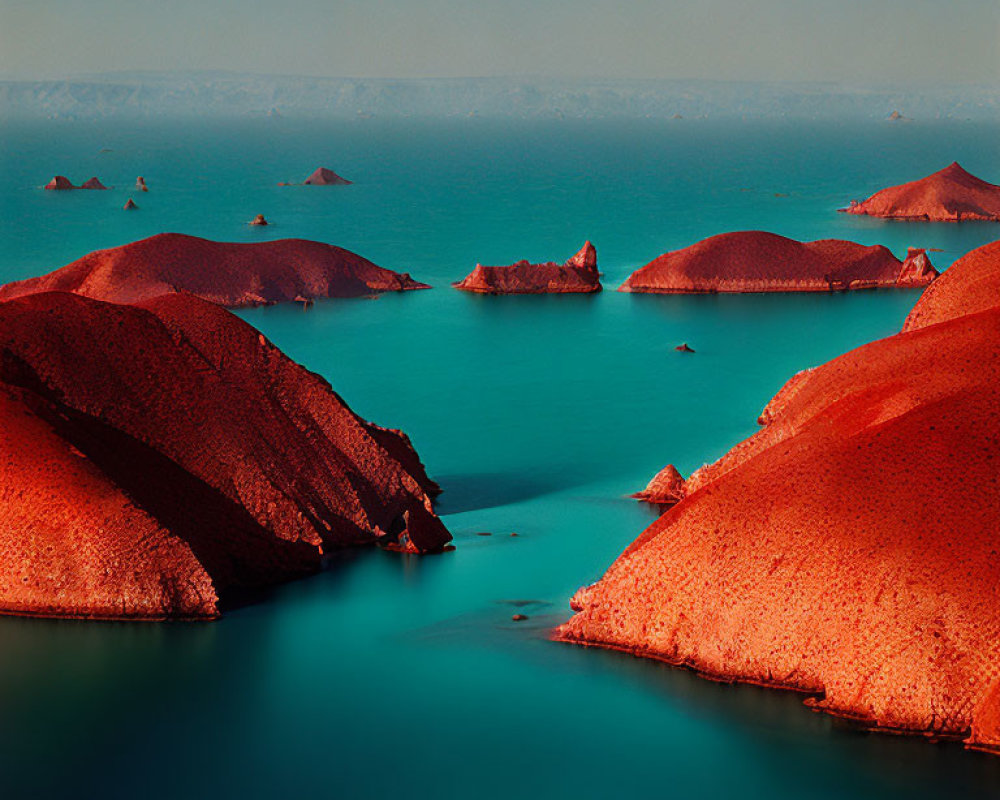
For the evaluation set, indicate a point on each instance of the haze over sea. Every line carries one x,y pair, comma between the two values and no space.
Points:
390,675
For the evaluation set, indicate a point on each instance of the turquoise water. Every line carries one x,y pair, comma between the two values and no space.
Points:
403,676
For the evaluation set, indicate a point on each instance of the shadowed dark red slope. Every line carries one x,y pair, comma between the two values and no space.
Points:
577,275
949,195
157,457
228,273
756,261
851,549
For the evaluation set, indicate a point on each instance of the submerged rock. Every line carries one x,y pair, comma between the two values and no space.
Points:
850,549
756,261
684,348
158,458
578,274
60,182
258,220
326,177
949,195
93,183
230,274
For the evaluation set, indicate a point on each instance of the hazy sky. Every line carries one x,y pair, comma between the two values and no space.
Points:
851,40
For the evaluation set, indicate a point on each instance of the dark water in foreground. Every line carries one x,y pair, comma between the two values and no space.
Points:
402,676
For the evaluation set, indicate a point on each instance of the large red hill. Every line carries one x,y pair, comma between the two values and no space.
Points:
156,458
851,548
949,195
756,261
228,273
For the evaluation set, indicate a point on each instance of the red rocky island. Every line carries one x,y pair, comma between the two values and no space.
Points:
949,195
158,459
578,275
60,182
850,550
326,177
755,261
230,274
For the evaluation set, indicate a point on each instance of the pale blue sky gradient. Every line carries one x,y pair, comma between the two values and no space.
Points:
862,41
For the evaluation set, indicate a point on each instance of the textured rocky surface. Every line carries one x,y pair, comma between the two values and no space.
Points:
157,459
577,275
93,183
230,274
326,177
850,549
756,261
970,284
949,195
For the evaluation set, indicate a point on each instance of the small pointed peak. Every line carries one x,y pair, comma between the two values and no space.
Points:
130,205
585,258
954,168
916,269
326,177
93,183
60,182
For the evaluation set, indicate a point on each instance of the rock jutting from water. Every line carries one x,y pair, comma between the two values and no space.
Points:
326,177
756,261
259,220
129,205
949,195
140,184
849,550
160,458
93,184
578,275
230,274
60,183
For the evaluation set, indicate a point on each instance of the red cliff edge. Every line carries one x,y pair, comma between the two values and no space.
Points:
949,195
578,275
227,273
156,460
850,550
756,261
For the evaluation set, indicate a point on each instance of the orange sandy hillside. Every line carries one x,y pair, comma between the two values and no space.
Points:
851,549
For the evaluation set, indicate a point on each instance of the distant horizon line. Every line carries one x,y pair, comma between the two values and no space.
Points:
527,77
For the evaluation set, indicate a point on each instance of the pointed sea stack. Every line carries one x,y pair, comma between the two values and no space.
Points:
93,183
130,205
326,177
950,195
666,487
158,459
849,550
228,273
578,275
60,183
756,261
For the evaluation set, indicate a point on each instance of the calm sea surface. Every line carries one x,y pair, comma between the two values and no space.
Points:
403,676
